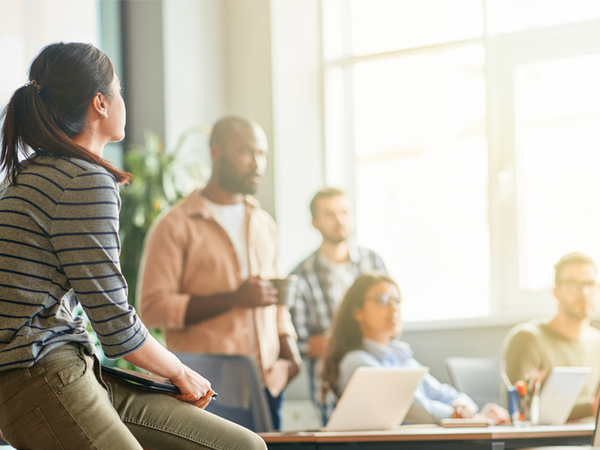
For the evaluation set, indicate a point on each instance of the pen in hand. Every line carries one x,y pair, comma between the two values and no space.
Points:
194,397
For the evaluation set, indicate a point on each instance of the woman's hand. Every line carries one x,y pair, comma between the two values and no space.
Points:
156,359
195,389
492,411
462,410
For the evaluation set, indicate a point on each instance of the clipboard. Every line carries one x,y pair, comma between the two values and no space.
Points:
142,379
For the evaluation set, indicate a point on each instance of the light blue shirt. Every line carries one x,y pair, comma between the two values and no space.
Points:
433,400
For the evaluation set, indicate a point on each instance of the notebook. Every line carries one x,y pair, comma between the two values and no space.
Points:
560,393
376,398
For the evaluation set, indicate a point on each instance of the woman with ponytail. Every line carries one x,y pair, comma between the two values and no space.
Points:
59,247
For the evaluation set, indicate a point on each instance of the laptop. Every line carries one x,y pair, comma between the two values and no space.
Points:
595,441
376,398
560,394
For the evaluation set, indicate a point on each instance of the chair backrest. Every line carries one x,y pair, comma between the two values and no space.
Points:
479,378
241,392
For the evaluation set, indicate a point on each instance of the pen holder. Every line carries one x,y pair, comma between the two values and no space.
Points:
523,407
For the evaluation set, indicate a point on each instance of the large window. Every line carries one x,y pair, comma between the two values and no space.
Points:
468,133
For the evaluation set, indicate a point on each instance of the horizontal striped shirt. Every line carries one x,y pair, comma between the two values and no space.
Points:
59,246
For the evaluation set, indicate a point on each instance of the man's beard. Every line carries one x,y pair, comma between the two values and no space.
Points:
232,182
334,239
579,314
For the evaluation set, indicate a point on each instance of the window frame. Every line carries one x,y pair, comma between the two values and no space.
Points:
503,53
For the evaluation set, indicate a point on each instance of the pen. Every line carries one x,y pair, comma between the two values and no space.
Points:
513,404
505,379
521,388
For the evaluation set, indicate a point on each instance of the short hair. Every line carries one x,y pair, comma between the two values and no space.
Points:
225,127
569,259
326,192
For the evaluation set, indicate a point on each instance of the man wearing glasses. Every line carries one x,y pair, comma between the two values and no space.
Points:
567,339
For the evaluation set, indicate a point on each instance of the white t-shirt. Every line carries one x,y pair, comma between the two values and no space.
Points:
232,219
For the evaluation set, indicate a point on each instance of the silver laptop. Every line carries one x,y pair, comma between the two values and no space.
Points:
595,441
560,394
376,398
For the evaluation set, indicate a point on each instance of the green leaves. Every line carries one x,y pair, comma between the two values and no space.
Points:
160,179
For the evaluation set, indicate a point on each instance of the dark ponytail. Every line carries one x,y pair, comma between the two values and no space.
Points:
47,113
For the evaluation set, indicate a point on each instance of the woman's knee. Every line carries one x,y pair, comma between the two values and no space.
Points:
255,442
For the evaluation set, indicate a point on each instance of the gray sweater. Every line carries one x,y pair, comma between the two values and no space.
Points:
59,245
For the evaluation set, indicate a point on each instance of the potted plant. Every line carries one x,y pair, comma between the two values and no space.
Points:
160,179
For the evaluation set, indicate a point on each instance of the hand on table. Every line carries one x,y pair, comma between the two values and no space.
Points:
494,412
462,410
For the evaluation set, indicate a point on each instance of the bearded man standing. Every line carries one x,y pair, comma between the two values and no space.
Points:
207,262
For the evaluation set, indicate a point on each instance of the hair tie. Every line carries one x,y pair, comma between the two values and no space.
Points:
35,84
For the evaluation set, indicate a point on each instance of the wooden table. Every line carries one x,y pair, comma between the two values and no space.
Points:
435,438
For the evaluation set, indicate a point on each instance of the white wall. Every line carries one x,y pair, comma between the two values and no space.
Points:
297,124
194,76
143,68
247,56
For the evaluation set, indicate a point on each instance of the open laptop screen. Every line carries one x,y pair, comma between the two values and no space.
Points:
376,398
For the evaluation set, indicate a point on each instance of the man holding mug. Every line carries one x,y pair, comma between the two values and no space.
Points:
207,263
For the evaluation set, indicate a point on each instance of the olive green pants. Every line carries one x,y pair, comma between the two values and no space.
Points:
60,404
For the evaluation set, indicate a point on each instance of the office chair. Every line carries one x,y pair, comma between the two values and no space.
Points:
241,391
479,378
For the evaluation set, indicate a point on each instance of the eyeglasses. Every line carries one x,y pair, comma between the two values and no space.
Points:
574,286
385,299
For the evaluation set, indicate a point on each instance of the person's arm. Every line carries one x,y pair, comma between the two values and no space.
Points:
288,362
156,359
84,234
426,410
289,352
88,250
445,393
317,346
253,293
522,355
160,300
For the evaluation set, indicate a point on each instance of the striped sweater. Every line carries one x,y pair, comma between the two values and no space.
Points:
59,245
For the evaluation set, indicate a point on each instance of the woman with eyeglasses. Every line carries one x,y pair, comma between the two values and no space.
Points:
365,333
59,247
